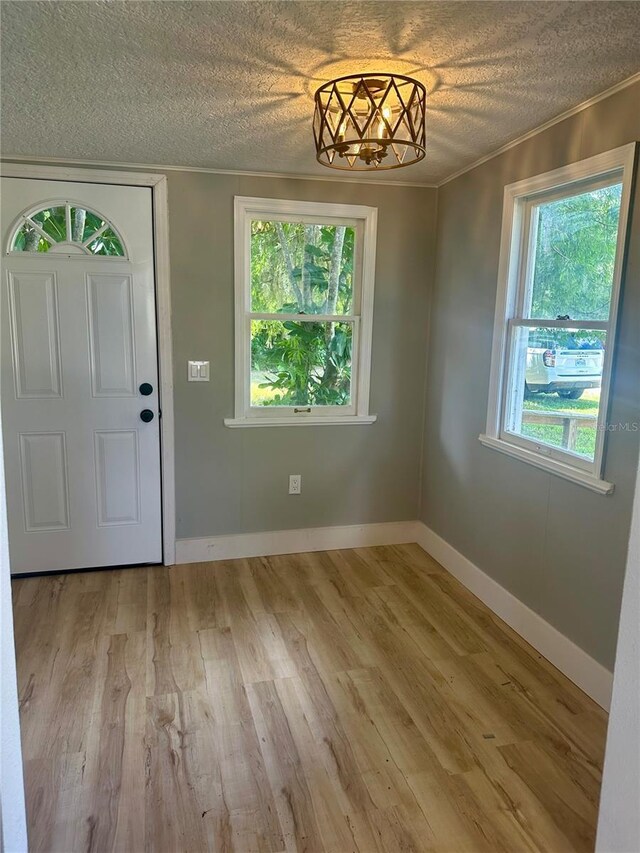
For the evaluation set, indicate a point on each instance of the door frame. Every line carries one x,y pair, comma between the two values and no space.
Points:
160,215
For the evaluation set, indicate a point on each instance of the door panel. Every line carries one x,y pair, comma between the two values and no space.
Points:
43,464
111,341
35,339
77,338
117,477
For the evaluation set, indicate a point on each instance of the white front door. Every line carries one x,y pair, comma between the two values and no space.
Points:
79,368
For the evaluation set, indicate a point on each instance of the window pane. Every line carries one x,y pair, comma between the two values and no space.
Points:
301,268
27,239
53,222
574,255
554,397
84,223
300,363
108,243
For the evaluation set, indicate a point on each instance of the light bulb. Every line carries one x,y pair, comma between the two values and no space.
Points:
383,131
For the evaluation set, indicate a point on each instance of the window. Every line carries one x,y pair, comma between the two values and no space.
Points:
304,310
561,264
66,228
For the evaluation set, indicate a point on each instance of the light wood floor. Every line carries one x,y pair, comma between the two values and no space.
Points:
342,701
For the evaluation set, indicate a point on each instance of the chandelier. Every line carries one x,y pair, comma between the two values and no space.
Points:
370,121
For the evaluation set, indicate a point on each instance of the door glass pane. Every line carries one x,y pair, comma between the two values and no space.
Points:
300,363
301,268
84,223
53,222
108,243
554,393
27,239
575,248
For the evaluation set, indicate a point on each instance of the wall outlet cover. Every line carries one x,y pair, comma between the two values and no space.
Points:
295,484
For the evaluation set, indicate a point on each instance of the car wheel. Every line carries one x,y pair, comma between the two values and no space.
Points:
528,392
571,393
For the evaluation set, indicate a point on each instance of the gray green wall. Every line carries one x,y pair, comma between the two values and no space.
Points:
555,545
236,480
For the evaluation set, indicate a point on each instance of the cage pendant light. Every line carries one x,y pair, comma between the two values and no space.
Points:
370,121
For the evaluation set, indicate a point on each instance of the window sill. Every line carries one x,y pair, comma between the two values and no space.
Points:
329,420
582,478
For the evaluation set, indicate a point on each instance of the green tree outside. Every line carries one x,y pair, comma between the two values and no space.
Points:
574,261
305,270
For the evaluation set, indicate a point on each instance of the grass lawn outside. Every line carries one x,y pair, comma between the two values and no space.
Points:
260,396
588,404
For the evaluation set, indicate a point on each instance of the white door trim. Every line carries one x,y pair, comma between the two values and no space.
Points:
158,185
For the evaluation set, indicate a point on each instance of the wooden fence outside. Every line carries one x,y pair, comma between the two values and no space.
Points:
570,424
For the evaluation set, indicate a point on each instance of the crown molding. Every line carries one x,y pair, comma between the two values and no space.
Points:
624,84
159,167
155,167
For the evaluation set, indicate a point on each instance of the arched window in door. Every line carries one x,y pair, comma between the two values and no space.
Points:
66,228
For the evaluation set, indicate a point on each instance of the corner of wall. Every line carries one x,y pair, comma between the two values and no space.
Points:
431,280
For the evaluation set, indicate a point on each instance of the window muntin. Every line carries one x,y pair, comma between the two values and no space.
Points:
560,273
66,228
303,310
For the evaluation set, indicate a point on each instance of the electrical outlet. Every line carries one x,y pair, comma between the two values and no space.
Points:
295,484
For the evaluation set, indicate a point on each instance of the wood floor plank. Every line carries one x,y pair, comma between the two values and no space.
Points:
353,701
334,785
274,591
406,745
110,749
284,768
204,604
130,826
333,743
160,676
567,805
398,610
366,572
170,789
244,778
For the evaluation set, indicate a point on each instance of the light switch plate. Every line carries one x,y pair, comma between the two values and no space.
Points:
198,371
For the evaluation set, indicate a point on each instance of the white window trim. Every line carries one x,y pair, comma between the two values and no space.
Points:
516,196
246,208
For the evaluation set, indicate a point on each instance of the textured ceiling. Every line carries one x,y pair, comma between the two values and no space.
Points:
228,85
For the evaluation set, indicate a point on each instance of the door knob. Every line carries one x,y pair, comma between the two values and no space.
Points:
146,415
145,389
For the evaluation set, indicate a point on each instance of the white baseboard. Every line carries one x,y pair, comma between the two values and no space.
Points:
240,545
576,664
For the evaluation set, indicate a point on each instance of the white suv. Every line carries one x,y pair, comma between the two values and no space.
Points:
566,369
